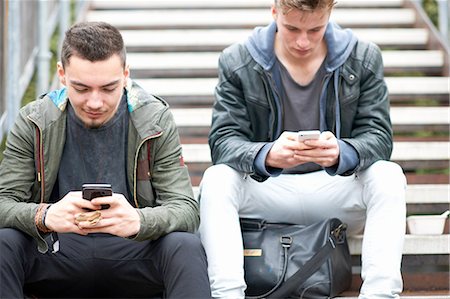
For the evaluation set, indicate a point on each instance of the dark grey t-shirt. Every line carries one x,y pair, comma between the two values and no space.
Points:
95,155
301,111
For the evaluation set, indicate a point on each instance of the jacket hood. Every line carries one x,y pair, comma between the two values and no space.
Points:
340,43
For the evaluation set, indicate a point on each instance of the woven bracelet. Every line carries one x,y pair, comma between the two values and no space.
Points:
39,219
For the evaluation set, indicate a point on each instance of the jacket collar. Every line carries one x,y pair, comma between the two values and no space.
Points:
144,120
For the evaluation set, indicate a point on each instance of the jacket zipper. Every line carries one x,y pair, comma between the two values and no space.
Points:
274,100
136,156
40,159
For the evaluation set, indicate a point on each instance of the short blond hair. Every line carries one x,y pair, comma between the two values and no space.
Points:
304,5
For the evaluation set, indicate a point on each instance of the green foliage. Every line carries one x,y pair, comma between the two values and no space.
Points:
2,148
431,8
30,92
445,171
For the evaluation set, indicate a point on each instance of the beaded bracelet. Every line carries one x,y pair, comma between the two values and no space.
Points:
39,218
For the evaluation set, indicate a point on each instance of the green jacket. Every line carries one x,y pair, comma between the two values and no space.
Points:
156,173
354,103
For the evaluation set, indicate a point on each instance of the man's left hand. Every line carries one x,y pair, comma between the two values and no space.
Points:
120,219
323,151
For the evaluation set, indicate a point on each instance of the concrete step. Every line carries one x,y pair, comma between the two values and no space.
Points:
420,115
428,194
201,117
414,244
200,64
403,151
204,87
217,39
179,4
242,18
426,151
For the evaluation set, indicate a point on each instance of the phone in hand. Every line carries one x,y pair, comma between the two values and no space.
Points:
305,135
90,191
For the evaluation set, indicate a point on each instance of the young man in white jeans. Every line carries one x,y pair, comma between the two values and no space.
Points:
303,72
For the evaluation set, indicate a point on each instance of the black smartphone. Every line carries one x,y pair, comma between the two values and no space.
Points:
91,191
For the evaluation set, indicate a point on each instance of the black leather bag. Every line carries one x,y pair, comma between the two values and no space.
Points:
295,261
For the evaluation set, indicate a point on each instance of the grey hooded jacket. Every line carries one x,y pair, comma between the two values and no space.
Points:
354,103
156,174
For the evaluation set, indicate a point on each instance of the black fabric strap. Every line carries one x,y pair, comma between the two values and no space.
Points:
308,269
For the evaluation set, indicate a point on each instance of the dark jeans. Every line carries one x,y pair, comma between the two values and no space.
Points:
102,265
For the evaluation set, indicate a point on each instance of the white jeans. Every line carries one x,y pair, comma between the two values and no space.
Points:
372,201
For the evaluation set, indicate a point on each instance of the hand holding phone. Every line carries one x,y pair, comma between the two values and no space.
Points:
90,191
305,135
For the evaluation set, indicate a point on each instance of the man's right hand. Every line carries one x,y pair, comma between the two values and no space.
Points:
282,153
288,151
61,215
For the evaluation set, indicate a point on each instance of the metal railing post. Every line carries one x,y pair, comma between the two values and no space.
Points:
44,54
64,21
80,8
13,63
443,9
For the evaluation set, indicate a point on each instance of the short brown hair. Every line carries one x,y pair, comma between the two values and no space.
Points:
305,5
94,41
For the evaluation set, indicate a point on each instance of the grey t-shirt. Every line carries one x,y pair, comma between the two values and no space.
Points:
95,155
301,111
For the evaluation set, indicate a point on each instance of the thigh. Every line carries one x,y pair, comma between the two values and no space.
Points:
129,268
306,198
126,268
66,273
17,251
97,265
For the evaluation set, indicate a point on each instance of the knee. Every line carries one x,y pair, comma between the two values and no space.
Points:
220,173
386,173
13,241
220,183
187,241
386,183
181,250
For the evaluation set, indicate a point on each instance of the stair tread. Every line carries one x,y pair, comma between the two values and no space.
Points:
414,244
208,60
157,4
198,117
216,37
226,18
205,86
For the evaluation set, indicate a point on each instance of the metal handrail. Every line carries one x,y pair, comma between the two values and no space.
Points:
18,72
443,14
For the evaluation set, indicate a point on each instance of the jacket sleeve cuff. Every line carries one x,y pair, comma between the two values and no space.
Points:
348,160
260,162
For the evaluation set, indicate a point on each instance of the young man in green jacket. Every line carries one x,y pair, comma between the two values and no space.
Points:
100,128
303,72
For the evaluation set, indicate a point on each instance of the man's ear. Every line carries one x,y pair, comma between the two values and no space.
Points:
126,74
61,73
274,11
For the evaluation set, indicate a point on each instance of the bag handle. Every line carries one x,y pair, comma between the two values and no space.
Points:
312,265
286,242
